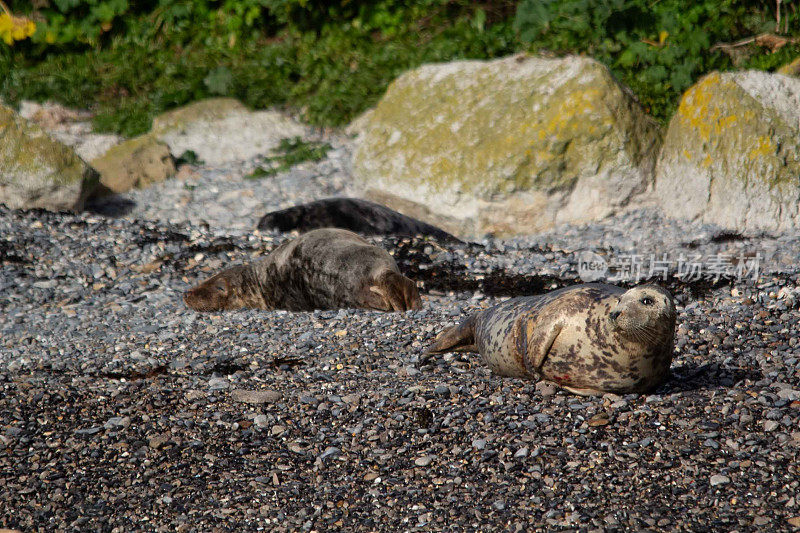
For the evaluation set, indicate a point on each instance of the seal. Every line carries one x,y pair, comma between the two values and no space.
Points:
590,339
354,214
323,269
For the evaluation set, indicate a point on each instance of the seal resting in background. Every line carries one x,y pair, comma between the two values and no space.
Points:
323,269
589,339
361,216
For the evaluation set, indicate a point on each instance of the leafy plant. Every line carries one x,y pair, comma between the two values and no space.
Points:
657,48
189,157
266,53
330,61
290,152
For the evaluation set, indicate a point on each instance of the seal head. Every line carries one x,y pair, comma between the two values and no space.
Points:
646,314
233,288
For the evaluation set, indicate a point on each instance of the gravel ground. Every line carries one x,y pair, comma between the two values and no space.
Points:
121,410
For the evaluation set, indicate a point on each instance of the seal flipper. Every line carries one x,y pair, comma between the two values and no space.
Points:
532,346
460,338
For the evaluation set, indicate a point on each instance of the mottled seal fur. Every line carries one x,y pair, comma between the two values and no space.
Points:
322,269
589,339
360,216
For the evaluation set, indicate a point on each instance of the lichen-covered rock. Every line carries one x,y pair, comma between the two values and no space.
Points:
138,162
508,146
790,69
222,130
71,127
37,171
731,155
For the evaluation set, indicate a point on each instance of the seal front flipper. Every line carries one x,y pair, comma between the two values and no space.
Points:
533,341
460,338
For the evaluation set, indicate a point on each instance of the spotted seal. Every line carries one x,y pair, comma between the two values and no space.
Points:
589,339
323,269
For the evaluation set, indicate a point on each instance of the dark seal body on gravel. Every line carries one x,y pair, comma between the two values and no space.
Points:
589,339
361,216
323,269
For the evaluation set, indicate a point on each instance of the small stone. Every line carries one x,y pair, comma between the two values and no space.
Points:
218,383
352,399
425,460
330,451
719,479
546,388
522,452
789,394
771,425
794,521
442,390
260,421
255,397
88,431
160,440
600,419
479,444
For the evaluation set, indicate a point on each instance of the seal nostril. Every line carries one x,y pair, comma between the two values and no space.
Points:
614,315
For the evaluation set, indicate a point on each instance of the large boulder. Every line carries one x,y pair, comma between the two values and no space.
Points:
731,155
138,162
37,171
69,126
508,146
222,130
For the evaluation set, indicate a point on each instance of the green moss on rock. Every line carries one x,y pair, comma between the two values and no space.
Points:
138,162
37,171
487,130
202,110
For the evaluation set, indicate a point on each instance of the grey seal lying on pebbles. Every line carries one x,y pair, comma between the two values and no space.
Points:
354,214
323,269
589,339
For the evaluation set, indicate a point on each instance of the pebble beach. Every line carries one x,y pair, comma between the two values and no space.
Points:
123,410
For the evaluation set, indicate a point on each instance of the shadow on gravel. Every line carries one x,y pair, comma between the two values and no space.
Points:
134,375
12,253
708,376
417,264
113,206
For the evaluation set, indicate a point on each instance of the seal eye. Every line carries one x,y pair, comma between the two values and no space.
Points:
647,300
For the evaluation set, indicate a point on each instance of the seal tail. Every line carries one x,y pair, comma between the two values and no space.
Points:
460,338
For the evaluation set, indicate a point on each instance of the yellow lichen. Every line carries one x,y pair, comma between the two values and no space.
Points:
764,147
701,110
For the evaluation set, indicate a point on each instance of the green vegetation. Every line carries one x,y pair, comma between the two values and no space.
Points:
657,47
332,60
290,152
330,63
